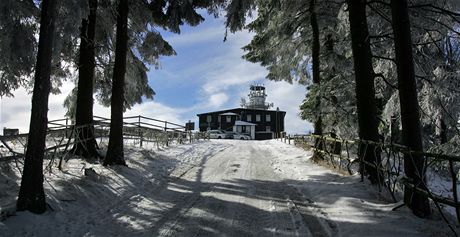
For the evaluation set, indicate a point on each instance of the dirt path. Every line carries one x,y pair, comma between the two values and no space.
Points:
235,193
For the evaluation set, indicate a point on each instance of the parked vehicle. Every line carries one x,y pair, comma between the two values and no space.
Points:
217,134
239,136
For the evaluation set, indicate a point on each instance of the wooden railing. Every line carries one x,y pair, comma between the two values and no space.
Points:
62,135
343,155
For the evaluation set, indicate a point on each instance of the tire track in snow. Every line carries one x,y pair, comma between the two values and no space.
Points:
265,204
166,225
140,191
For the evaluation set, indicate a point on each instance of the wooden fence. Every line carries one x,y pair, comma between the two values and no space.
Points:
62,135
343,155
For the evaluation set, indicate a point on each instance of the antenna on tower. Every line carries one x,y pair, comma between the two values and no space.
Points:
257,97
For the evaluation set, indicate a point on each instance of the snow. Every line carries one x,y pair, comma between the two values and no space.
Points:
209,188
357,208
243,123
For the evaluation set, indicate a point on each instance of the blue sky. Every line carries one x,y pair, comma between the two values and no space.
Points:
207,74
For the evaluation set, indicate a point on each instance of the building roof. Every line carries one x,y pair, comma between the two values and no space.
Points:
243,123
240,109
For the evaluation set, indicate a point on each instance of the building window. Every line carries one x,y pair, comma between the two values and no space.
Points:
267,129
229,119
208,118
257,117
218,119
248,118
267,118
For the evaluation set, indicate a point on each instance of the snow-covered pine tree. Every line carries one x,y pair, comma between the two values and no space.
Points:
86,143
365,90
17,18
338,104
145,47
22,18
288,40
430,29
31,194
115,153
315,64
414,165
436,53
149,44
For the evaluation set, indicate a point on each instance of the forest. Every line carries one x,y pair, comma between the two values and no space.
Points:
381,71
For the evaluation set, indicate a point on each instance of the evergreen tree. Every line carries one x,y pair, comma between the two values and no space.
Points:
17,18
19,53
143,39
414,164
338,100
365,91
31,194
115,150
315,54
278,46
167,14
86,143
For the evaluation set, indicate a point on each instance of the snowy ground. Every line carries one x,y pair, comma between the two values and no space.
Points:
210,188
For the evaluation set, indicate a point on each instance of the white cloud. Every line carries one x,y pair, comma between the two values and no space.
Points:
217,100
227,74
15,111
152,109
288,97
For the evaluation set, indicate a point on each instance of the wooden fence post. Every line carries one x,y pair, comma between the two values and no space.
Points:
140,131
66,125
166,133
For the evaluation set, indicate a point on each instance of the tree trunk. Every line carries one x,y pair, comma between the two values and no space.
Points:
365,92
31,194
443,132
86,144
115,149
315,49
414,165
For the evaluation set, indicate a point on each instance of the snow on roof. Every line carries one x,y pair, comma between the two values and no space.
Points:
243,123
229,113
241,109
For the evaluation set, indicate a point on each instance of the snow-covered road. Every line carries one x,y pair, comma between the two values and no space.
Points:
214,188
234,193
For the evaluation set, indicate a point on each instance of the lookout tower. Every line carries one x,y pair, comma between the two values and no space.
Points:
257,98
254,117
